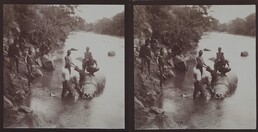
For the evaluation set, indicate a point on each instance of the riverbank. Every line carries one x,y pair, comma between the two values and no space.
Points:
177,101
17,89
149,112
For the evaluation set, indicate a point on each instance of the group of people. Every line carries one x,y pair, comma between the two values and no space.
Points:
146,50
15,54
88,63
220,64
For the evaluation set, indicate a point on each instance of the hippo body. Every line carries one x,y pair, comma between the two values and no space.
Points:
222,86
83,86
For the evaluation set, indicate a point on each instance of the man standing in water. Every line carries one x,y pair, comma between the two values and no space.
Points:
68,61
200,62
145,55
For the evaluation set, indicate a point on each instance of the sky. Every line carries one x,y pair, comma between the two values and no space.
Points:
92,13
225,13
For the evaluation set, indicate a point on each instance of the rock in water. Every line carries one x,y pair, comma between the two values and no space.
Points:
212,59
244,53
111,53
206,49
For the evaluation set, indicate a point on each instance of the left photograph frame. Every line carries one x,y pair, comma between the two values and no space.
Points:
64,66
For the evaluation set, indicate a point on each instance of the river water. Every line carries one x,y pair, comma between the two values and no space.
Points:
235,112
104,111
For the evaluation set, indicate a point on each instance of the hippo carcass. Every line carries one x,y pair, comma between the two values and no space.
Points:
223,86
84,86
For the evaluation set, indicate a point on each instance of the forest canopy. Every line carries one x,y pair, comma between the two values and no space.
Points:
246,26
110,26
38,24
183,25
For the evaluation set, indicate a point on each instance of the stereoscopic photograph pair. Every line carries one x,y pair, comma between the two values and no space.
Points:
64,66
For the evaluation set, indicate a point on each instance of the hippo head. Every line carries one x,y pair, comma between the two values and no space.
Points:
220,91
88,91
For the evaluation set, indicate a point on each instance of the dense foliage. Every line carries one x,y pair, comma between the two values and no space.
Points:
183,25
240,26
38,24
110,26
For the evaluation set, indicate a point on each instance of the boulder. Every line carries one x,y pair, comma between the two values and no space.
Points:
111,53
7,103
38,62
138,102
36,72
206,49
156,110
180,63
25,109
47,62
244,53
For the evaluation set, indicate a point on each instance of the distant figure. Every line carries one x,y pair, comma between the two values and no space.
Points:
29,62
200,62
161,64
68,61
14,55
91,66
145,55
87,55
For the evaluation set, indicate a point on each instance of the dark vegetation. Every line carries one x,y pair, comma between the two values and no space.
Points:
110,26
169,25
239,26
33,26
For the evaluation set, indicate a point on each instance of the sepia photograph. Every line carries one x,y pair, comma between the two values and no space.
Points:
194,66
63,66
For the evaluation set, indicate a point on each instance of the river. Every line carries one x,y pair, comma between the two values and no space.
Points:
235,112
104,111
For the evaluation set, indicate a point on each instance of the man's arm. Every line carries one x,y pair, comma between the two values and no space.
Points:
96,63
